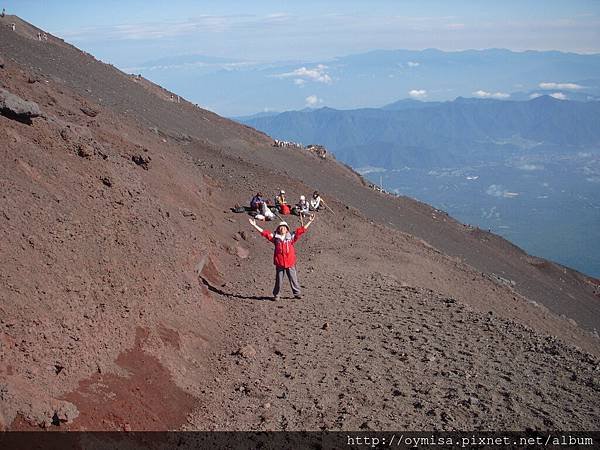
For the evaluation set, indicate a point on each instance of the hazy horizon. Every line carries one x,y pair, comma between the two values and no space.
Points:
125,33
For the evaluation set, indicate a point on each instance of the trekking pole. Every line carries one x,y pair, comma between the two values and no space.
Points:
278,216
327,206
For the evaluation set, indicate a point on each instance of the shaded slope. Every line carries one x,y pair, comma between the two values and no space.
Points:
94,250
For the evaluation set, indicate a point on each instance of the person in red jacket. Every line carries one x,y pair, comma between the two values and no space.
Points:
284,257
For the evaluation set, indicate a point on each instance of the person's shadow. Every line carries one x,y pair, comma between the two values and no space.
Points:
221,292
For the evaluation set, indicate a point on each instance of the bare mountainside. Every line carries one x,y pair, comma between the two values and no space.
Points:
132,298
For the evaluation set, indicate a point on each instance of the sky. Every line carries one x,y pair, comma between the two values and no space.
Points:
127,33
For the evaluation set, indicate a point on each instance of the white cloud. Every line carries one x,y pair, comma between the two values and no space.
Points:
535,95
491,214
551,85
418,93
558,96
529,167
455,26
168,29
413,64
299,82
312,100
370,169
228,66
317,74
484,94
281,17
497,190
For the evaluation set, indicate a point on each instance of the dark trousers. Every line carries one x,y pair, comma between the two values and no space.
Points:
292,276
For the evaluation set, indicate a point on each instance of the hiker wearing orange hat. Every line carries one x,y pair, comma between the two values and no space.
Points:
281,203
284,256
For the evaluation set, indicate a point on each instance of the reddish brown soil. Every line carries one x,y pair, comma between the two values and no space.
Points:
405,321
146,399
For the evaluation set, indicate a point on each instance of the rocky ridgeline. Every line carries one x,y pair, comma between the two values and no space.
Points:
318,150
322,152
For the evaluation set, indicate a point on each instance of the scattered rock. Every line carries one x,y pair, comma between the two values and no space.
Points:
325,326
66,134
84,151
89,111
473,400
242,252
141,160
107,181
366,426
247,351
15,107
65,412
188,213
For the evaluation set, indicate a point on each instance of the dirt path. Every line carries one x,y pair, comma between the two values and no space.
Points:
368,352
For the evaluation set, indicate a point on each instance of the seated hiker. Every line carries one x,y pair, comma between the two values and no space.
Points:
266,212
256,202
303,206
280,198
281,203
284,257
315,201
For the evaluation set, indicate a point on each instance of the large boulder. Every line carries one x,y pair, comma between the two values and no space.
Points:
15,107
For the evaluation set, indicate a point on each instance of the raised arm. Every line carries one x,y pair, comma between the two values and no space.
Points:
253,223
300,231
265,233
311,220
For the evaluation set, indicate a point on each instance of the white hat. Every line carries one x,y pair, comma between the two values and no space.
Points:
302,197
282,192
283,224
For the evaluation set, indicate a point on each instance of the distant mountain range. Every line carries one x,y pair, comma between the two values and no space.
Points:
439,134
529,170
237,87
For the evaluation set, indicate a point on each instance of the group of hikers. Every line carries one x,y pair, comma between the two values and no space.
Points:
283,238
265,209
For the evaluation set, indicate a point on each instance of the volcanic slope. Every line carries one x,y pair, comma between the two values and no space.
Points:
132,298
